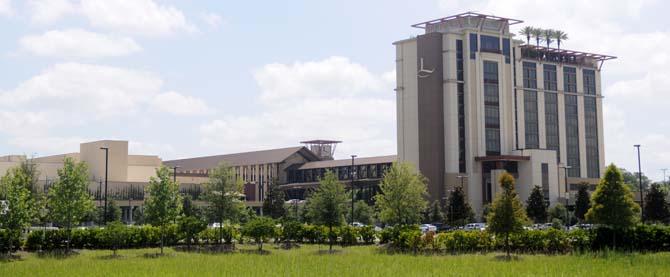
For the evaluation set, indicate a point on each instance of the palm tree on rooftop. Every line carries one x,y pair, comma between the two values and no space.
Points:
549,36
528,32
560,36
537,33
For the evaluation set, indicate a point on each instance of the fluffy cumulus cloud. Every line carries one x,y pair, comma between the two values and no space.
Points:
144,17
76,96
77,43
634,85
333,98
6,7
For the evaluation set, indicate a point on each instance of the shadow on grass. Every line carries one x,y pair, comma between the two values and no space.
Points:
255,251
6,258
328,252
505,258
110,257
57,254
207,249
157,255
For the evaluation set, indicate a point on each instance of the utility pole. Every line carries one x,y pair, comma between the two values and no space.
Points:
664,170
567,215
351,174
104,217
639,172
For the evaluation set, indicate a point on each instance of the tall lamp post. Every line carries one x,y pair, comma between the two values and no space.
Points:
174,173
639,174
104,217
565,175
351,174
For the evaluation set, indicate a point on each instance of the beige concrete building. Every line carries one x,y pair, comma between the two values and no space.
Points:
472,103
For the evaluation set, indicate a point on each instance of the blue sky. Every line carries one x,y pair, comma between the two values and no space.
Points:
186,78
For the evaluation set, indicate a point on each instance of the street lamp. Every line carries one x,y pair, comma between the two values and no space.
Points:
104,217
567,216
639,174
351,175
174,173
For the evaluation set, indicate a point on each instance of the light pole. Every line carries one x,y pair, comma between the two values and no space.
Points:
174,173
130,207
351,175
664,170
567,216
104,217
639,174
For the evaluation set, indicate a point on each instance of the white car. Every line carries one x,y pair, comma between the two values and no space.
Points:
357,224
428,228
475,227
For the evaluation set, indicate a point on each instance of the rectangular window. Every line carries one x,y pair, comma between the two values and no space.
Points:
506,50
569,79
550,80
490,44
459,60
531,121
545,181
589,81
491,108
529,75
461,106
473,45
572,135
551,122
591,136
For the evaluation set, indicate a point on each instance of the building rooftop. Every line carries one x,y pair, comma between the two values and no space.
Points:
466,15
563,55
237,159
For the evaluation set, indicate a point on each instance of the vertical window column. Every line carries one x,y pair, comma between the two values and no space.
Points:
551,109
460,86
530,106
491,108
591,125
572,135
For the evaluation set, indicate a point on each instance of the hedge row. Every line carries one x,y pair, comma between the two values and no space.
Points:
641,238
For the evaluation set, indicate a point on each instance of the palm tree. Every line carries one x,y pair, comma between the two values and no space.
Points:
527,31
537,34
549,36
560,36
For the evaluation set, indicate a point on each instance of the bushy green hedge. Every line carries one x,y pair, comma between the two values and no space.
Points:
95,238
4,241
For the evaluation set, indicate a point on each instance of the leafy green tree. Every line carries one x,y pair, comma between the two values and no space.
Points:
536,207
138,216
19,210
327,204
458,209
656,208
402,195
69,201
632,180
362,212
113,212
560,212
612,203
190,227
273,204
164,202
507,215
189,208
223,193
434,213
114,235
260,229
583,202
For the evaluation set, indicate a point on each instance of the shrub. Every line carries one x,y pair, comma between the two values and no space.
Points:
4,241
367,234
348,235
259,229
292,231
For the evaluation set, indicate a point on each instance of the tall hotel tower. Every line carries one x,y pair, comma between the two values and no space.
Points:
473,102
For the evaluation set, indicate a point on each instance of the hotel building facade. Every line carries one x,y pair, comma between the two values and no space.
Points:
473,102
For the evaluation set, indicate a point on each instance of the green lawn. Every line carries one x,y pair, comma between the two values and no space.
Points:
354,261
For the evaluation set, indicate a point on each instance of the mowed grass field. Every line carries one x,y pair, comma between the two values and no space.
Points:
351,261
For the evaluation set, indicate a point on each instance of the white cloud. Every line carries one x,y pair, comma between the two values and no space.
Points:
6,7
175,103
332,98
212,19
77,43
143,17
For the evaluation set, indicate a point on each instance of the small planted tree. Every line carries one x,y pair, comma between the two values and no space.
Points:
459,211
362,212
402,197
69,200
656,207
113,212
260,229
223,194
507,215
326,205
18,210
190,227
583,202
273,204
434,213
164,202
612,203
114,235
536,207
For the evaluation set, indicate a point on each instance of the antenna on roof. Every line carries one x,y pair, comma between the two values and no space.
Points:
324,149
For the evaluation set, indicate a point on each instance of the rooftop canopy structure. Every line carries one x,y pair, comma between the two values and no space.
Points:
564,56
467,20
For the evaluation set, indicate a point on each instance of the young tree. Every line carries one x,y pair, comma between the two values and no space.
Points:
19,205
327,204
223,193
402,197
434,213
190,227
536,207
113,212
164,202
69,201
612,202
656,207
114,235
459,211
188,208
273,205
583,202
560,212
507,215
260,229
362,212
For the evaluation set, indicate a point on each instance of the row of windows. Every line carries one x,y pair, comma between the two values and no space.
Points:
591,137
491,105
551,122
531,119
461,106
589,81
343,173
529,75
550,78
572,135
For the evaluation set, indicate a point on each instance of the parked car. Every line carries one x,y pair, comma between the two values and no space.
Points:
357,224
582,226
441,227
428,228
475,227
